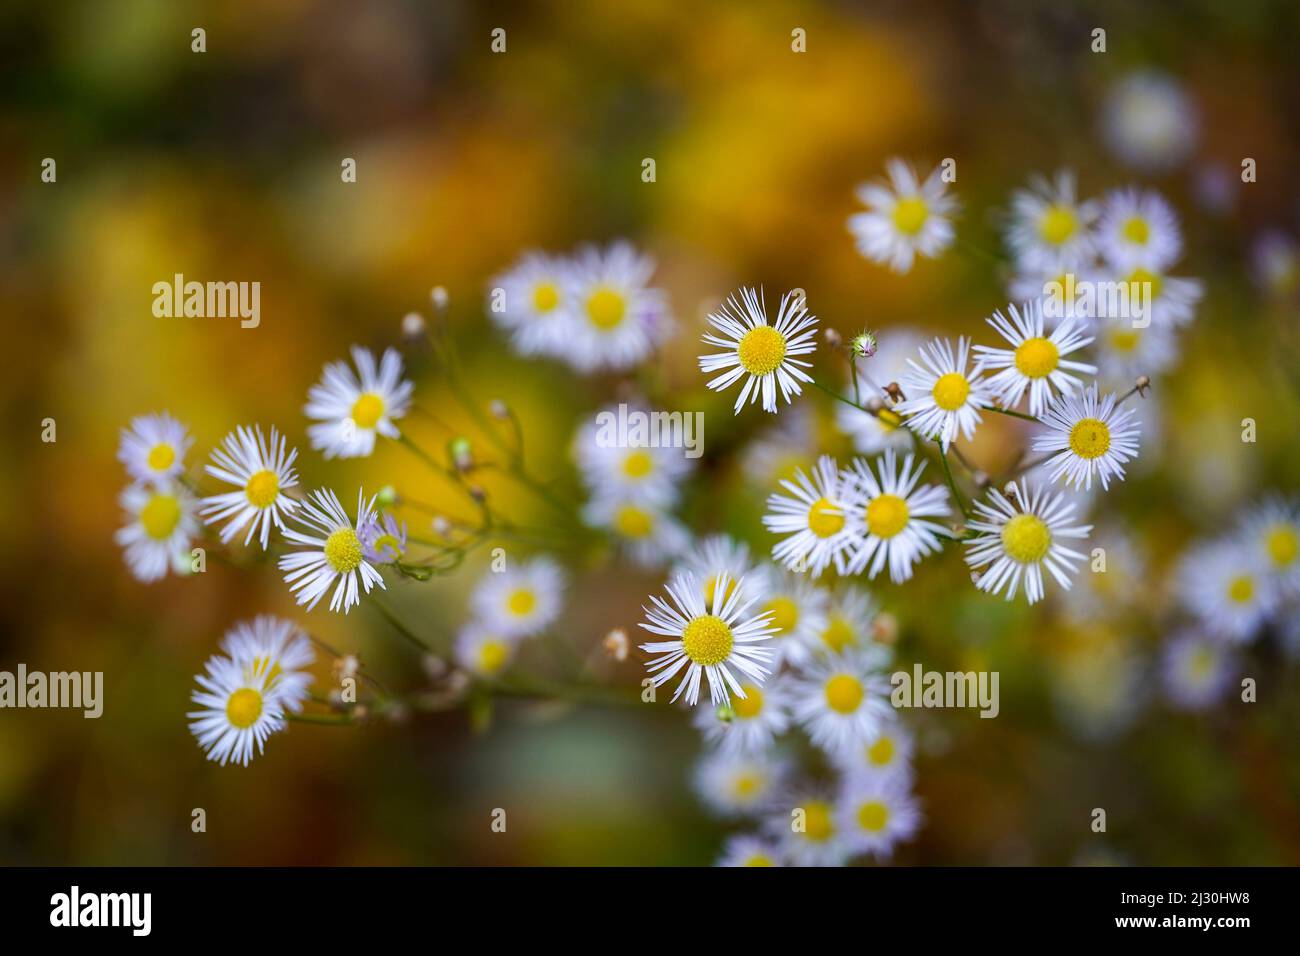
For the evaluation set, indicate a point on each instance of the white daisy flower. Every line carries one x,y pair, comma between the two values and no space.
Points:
798,610
262,472
482,651
153,448
160,528
874,433
1124,352
1227,587
1036,361
945,399
1152,296
336,553
276,651
628,465
647,533
762,354
709,641
1100,688
751,722
522,600
805,826
749,850
850,621
612,319
843,699
876,814
1272,530
887,753
711,558
1196,670
1050,227
896,525
383,538
905,218
814,517
1149,122
739,784
238,713
1088,436
1022,539
354,408
1138,228
528,301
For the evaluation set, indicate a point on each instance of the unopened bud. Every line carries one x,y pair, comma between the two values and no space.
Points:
499,410
440,525
864,344
435,668
387,497
462,453
832,338
616,644
725,713
1143,383
478,493
439,297
413,325
884,629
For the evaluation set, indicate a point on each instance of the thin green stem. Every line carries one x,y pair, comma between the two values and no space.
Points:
399,627
952,484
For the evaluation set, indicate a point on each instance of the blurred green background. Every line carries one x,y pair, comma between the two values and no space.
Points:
225,165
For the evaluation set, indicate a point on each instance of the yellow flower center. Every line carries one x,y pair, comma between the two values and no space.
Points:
1140,277
707,640
1026,539
881,753
950,391
839,633
367,410
1241,589
545,297
343,550
785,614
633,522
711,587
492,656
161,456
262,489
745,785
244,707
521,602
1058,224
1037,357
1282,544
872,816
1136,230
389,543
160,516
759,859
844,693
886,515
1090,438
818,821
761,350
638,464
749,706
825,519
1201,663
606,308
1124,340
910,214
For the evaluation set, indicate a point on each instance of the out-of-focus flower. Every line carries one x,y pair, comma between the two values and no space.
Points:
483,651
1124,351
611,317
749,850
762,352
804,824
1226,585
160,528
1138,229
1275,263
1196,670
277,651
876,814
520,601
621,461
739,784
648,533
751,722
843,699
712,558
798,610
1050,228
888,753
905,218
1271,530
352,408
1149,122
153,448
848,622
528,302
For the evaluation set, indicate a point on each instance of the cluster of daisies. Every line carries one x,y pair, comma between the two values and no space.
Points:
780,655
595,310
510,605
